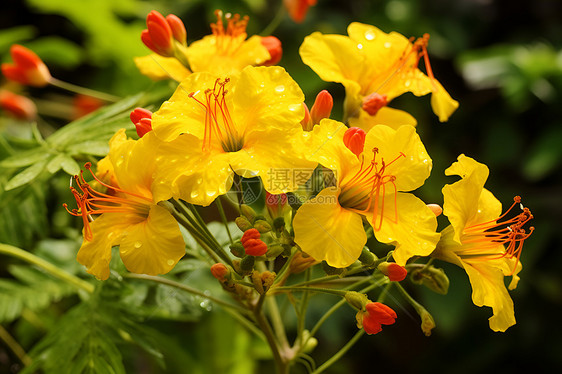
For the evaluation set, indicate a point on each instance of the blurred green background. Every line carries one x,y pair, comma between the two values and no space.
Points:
502,60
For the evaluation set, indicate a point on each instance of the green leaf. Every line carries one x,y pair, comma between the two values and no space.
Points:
15,35
26,176
23,158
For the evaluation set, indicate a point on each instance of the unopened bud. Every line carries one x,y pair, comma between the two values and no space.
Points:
274,251
255,276
18,106
142,119
354,140
357,300
255,247
393,271
433,278
367,257
219,271
178,28
243,223
322,107
27,68
310,342
373,103
306,122
279,224
262,226
330,270
273,46
301,262
247,264
248,212
427,321
237,249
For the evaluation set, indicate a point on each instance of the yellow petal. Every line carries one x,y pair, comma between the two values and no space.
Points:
95,255
203,55
153,246
410,171
335,58
442,103
328,232
461,199
390,117
157,67
267,98
411,227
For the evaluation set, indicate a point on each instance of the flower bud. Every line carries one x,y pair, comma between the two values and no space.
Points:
273,46
252,243
274,251
178,28
393,271
243,223
357,300
367,257
219,271
262,226
142,119
158,35
298,8
310,342
248,212
436,209
376,315
330,270
354,140
18,106
27,69
237,249
322,107
433,278
247,264
306,122
373,103
427,321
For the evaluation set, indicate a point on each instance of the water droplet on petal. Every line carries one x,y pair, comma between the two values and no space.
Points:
194,194
170,262
407,83
387,45
360,46
370,35
280,88
137,245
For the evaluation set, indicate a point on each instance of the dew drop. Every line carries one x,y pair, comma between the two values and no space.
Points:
170,262
280,88
194,194
369,35
407,83
360,46
387,45
199,180
137,245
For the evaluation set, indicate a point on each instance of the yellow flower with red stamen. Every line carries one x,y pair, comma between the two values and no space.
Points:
371,184
481,240
224,52
148,237
374,68
247,124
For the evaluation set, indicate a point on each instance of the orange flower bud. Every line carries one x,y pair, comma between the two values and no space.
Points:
142,118
377,314
252,243
322,107
393,271
158,35
373,103
27,69
178,28
306,122
298,8
273,46
354,140
19,106
84,104
219,271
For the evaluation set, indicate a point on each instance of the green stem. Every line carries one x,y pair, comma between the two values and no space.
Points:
264,325
83,90
183,287
224,220
47,266
384,292
247,324
417,306
14,346
275,22
301,315
340,353
311,289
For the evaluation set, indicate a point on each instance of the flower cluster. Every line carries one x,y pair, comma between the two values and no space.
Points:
331,188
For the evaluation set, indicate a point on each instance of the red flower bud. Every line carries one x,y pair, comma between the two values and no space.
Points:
18,106
322,107
298,8
158,36
219,271
393,271
27,69
252,243
273,46
178,28
142,118
84,104
377,315
373,103
306,122
354,140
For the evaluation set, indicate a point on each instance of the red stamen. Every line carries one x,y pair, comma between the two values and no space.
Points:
91,202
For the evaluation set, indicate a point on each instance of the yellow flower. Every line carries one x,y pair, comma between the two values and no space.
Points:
369,185
224,52
374,68
245,124
149,238
477,238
